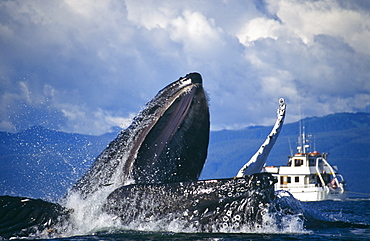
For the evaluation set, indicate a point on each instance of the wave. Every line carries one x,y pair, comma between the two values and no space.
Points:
244,214
284,215
347,214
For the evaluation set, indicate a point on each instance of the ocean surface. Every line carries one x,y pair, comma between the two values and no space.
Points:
326,220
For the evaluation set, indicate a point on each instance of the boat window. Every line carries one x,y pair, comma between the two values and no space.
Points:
311,162
326,178
296,179
298,162
312,179
289,179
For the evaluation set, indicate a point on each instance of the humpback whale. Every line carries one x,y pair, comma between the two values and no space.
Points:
203,206
150,173
166,142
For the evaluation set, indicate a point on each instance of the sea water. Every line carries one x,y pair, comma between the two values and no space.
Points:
325,220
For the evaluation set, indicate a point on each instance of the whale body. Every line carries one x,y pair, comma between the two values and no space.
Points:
150,173
204,206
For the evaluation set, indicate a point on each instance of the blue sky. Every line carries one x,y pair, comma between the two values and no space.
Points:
87,66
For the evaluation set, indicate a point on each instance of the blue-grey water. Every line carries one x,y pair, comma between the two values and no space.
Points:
327,220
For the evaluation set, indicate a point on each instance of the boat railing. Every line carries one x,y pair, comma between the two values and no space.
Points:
340,178
318,171
311,185
334,184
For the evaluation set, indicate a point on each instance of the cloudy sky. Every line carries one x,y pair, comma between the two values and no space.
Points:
87,66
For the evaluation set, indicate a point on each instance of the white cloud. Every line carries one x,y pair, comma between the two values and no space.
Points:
306,19
88,9
86,66
309,18
259,28
150,14
80,119
194,30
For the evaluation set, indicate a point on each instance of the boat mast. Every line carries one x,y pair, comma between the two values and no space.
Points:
303,141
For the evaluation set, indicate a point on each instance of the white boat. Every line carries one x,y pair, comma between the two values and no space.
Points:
308,176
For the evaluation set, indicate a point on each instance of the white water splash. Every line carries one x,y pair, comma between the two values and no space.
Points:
87,216
88,219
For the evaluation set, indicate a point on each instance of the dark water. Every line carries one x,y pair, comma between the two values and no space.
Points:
328,220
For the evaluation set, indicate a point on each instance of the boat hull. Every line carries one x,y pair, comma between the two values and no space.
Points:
312,194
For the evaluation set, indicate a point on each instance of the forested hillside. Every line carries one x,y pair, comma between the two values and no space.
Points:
43,163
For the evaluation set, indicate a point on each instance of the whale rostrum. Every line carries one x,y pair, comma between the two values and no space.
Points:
166,142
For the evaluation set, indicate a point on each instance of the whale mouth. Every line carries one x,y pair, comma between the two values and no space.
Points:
166,142
167,152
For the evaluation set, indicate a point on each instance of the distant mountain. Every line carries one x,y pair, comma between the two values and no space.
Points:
42,163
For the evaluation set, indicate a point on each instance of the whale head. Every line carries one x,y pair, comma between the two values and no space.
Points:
166,142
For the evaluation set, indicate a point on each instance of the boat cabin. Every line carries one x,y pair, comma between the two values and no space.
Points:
309,177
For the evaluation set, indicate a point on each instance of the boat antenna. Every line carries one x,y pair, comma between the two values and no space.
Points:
303,142
300,140
290,147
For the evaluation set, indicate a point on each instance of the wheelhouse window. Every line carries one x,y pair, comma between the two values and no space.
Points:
311,162
296,179
298,162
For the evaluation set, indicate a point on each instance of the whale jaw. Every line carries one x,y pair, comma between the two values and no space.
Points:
170,152
166,142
